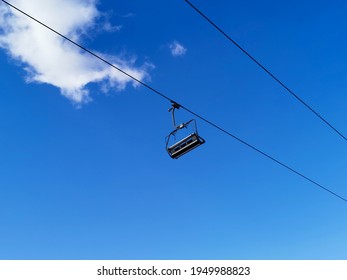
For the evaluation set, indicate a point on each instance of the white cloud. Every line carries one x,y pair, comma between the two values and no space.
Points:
128,15
177,49
49,59
111,28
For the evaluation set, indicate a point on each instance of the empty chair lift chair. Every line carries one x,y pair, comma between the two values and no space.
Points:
175,148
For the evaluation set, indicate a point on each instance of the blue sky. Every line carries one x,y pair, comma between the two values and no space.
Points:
84,171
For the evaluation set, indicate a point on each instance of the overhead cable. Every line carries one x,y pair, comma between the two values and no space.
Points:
183,107
268,71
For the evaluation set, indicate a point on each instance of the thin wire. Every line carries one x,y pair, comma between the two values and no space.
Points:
264,154
183,107
267,71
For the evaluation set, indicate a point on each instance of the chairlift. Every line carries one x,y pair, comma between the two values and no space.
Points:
176,148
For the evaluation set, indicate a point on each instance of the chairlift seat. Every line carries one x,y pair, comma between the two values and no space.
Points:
185,145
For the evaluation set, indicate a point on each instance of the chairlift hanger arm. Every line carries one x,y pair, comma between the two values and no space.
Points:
174,106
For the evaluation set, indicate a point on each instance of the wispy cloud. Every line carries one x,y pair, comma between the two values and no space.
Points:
128,15
177,49
49,59
111,28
